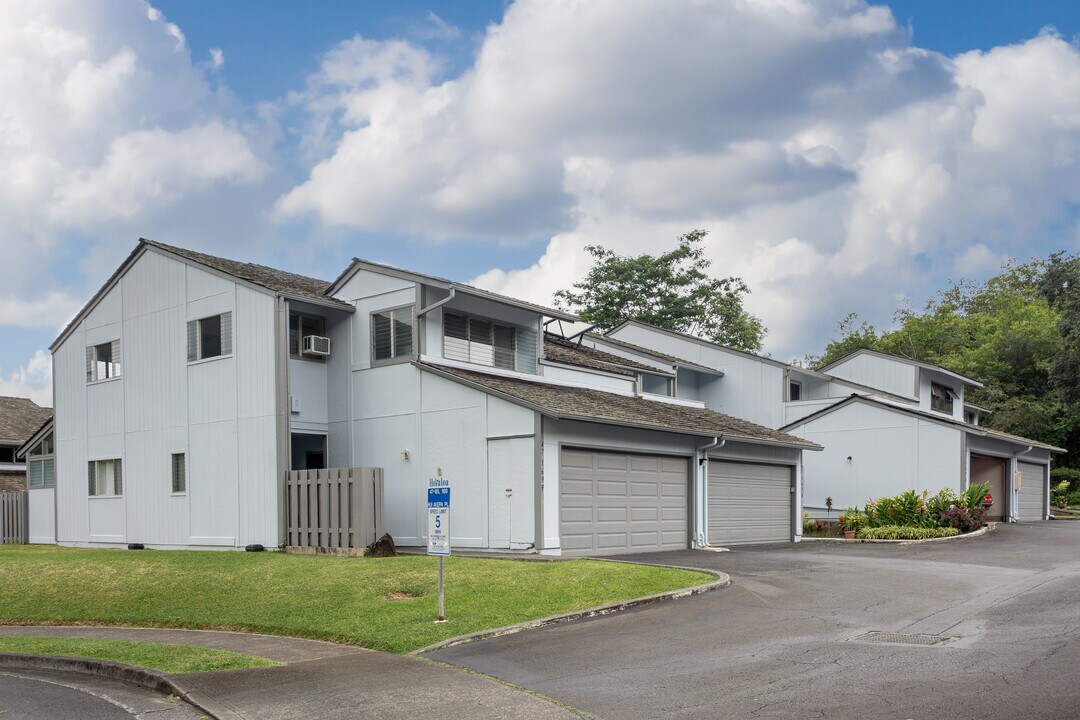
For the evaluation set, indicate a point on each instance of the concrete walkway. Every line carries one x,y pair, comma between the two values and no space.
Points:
327,681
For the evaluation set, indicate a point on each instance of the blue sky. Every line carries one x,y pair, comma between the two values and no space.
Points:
844,157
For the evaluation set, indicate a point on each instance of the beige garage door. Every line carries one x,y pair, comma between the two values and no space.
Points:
1030,496
618,503
749,503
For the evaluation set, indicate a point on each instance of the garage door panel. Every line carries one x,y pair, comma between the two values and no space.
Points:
634,503
749,503
1031,495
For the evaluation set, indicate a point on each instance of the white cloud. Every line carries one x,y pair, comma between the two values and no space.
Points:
52,310
836,165
32,380
217,58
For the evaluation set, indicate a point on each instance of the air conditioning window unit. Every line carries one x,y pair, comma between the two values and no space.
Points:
316,345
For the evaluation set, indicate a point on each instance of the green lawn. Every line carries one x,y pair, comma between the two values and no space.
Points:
156,656
384,604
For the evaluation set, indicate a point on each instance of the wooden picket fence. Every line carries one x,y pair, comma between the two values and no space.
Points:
334,508
14,517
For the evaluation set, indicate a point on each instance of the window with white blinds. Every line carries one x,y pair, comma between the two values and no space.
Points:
41,473
392,333
103,361
210,337
106,477
482,342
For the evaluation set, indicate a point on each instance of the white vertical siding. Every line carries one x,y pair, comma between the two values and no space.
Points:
219,412
42,517
892,376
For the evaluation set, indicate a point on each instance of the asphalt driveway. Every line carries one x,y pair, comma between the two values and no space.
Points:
778,642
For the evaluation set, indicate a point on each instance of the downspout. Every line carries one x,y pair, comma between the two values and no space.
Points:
1014,494
440,303
701,514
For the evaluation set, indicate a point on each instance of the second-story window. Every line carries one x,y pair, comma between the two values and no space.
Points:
794,390
483,342
210,337
103,361
300,327
941,398
392,334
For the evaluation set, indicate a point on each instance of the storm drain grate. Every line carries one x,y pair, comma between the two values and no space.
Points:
876,636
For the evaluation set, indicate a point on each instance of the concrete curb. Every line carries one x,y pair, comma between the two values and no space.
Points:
140,677
978,533
722,581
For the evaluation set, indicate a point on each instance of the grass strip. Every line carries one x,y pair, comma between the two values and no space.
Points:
163,657
380,603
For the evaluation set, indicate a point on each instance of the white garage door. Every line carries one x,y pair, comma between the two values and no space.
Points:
617,503
749,503
1031,493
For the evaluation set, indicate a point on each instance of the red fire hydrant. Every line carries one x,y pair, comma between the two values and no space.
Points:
988,501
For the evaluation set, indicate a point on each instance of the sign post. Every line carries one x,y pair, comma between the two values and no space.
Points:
438,502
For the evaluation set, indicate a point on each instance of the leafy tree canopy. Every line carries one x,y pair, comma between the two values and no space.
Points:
1013,333
671,290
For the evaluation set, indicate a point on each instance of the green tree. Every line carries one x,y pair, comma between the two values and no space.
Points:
671,290
848,339
1060,285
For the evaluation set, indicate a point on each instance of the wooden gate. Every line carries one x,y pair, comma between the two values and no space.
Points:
14,517
334,508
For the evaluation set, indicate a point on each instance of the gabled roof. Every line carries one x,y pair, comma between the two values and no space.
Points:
266,278
359,264
596,406
699,341
568,352
649,352
34,439
20,418
980,430
902,359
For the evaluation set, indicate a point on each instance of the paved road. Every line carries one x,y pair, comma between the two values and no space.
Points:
778,642
35,695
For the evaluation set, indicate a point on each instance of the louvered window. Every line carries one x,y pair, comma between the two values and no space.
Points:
106,477
392,334
103,361
41,473
483,342
941,398
209,337
179,473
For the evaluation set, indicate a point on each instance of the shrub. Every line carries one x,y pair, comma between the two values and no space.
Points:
1074,497
1059,494
897,532
852,519
1057,475
945,499
907,509
973,497
962,519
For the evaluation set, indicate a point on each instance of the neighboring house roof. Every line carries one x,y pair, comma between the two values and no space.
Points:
270,279
12,480
700,341
648,352
20,418
900,358
597,406
568,352
360,264
35,438
980,430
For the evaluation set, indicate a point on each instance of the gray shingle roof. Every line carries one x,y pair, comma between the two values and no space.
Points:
270,278
609,408
976,429
648,352
20,418
564,351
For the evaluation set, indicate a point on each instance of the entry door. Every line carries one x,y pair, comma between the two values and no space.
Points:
749,503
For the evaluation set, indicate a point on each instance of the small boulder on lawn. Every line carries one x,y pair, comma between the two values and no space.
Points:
383,547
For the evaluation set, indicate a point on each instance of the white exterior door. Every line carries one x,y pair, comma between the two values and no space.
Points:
618,503
749,503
